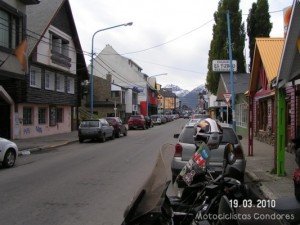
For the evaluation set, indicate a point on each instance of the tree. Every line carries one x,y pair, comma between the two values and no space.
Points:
258,24
219,43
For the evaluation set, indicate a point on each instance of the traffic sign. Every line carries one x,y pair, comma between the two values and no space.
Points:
227,97
223,65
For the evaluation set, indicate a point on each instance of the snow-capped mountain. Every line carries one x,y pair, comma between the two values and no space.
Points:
188,98
177,90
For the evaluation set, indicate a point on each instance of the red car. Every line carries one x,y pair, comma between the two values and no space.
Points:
118,125
136,121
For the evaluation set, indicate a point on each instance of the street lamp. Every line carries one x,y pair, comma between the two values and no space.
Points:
92,66
147,84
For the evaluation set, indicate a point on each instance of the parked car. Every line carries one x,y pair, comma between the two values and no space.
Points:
8,153
136,121
186,116
118,125
185,147
95,129
200,116
149,122
158,119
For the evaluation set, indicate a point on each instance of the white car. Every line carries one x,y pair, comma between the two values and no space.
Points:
8,153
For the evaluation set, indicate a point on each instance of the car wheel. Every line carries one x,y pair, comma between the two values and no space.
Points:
118,134
112,136
102,138
9,159
144,127
81,140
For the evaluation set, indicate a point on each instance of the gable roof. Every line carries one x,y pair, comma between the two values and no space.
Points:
267,51
39,18
241,84
291,48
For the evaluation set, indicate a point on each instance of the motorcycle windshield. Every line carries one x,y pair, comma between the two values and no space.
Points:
149,195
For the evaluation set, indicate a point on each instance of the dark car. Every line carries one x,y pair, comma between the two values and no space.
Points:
185,147
136,121
149,122
95,129
118,125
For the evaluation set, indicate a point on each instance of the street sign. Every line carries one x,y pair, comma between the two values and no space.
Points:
223,65
227,97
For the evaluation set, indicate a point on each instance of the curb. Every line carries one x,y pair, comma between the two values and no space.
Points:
266,192
35,149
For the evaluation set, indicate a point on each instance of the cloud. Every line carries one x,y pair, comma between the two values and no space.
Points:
168,36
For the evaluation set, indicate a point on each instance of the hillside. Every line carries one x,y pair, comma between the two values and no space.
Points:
188,98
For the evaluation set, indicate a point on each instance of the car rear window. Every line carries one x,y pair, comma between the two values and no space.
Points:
186,135
136,117
90,123
229,136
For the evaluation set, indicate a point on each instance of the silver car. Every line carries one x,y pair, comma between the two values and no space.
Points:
98,129
185,148
8,153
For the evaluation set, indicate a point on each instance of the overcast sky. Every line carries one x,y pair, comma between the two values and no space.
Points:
167,36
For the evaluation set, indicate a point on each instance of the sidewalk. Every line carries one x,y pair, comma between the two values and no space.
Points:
45,142
258,169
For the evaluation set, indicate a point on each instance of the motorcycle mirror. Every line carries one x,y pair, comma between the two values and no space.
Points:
229,155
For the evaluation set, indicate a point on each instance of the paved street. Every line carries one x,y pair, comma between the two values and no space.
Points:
89,183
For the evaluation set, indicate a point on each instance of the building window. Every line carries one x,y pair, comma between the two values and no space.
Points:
35,77
10,28
49,80
60,83
115,94
60,50
60,115
242,115
42,115
27,115
70,85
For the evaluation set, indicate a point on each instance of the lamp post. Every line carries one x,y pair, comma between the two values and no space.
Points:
92,66
147,84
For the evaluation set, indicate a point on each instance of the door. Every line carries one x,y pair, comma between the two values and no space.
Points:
4,120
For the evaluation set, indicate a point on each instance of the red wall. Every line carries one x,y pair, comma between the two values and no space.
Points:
143,108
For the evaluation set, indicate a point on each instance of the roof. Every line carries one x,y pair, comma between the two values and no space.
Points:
241,84
39,18
267,51
289,66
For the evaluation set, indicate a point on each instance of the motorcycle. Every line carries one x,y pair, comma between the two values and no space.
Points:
151,205
205,203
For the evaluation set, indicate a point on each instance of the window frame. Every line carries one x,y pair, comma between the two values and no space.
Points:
70,85
49,80
60,83
16,27
27,115
42,116
35,79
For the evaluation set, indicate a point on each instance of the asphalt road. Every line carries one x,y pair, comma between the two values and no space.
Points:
89,183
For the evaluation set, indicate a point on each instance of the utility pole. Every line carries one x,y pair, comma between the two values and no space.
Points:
231,73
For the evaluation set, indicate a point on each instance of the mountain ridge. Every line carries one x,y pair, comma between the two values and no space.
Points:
188,98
